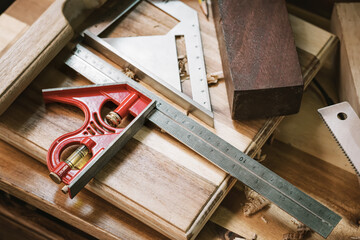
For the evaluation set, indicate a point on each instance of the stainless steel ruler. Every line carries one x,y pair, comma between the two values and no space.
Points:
344,124
218,151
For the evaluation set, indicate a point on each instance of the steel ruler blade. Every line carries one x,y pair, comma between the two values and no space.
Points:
218,151
344,124
247,170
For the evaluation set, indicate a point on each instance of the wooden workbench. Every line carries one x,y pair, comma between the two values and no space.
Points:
24,123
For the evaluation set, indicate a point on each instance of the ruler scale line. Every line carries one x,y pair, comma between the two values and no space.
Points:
250,178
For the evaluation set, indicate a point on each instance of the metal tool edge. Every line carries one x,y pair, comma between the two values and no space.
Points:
188,123
95,165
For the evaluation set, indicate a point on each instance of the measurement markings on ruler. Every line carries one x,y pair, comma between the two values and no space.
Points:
221,153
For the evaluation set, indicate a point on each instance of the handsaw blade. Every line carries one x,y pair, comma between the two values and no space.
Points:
344,124
218,151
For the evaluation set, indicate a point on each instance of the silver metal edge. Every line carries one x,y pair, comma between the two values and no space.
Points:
95,165
162,87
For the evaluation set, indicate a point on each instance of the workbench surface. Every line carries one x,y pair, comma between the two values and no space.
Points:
25,125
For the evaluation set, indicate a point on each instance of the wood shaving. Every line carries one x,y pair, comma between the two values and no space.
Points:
183,69
302,231
251,149
260,157
295,221
258,154
213,78
255,204
264,219
129,73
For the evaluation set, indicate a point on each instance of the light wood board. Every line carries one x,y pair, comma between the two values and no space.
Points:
332,186
89,213
13,29
307,132
345,23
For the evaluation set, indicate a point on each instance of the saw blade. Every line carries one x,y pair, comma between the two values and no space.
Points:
344,124
218,151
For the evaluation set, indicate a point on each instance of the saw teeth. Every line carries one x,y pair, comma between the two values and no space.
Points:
342,149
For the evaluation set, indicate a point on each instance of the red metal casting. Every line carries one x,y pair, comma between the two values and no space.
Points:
95,134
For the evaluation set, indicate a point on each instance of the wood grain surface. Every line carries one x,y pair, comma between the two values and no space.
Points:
332,186
38,46
88,213
19,220
14,30
345,23
140,178
260,63
307,132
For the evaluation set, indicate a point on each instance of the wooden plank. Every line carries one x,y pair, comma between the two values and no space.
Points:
261,67
152,165
13,28
323,41
307,132
38,46
308,16
18,10
328,184
23,221
345,22
132,179
87,212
